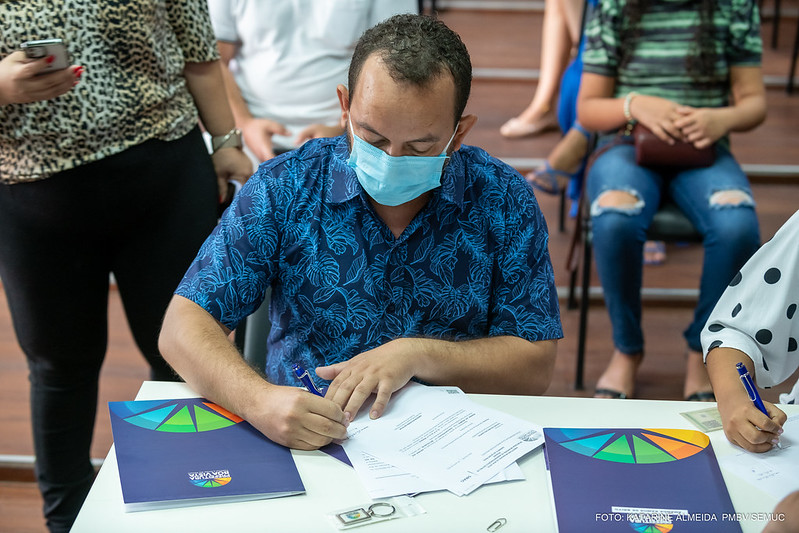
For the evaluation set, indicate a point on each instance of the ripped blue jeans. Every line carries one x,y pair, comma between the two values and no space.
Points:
717,199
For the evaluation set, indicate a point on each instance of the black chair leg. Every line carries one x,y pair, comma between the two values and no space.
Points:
562,214
581,335
775,25
792,73
572,301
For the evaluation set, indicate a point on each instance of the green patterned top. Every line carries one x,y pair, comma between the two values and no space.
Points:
657,65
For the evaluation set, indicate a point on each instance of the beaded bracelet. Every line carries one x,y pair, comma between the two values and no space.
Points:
627,101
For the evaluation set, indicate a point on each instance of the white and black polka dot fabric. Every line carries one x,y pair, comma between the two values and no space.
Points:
757,314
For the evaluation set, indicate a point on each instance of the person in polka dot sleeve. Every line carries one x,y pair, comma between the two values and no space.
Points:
756,322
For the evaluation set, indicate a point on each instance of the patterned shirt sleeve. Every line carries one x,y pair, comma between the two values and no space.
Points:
602,39
237,263
192,26
744,46
757,313
525,302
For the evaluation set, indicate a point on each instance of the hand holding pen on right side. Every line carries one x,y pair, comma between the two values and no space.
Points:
296,418
745,425
750,429
20,84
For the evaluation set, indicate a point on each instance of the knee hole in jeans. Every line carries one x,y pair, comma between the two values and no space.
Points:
618,201
731,197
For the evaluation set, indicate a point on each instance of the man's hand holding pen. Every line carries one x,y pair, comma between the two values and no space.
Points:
297,419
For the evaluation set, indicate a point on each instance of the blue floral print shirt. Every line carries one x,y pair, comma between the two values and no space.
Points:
473,262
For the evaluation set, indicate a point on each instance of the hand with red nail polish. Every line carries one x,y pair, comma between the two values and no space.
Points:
22,81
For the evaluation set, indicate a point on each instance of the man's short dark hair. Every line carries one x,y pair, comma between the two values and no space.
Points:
416,49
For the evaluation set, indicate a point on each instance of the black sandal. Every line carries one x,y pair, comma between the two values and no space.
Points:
610,394
701,396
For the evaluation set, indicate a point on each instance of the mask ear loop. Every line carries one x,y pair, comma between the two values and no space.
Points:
451,138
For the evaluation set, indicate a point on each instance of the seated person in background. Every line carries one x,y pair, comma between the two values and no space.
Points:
756,323
393,252
688,72
282,63
566,163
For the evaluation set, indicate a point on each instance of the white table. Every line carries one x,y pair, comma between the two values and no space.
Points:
331,485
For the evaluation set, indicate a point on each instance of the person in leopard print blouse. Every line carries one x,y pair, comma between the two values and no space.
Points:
102,170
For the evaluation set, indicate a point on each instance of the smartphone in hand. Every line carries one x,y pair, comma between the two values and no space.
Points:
45,48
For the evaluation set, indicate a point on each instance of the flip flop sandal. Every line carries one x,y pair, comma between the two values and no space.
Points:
609,394
547,179
701,396
654,253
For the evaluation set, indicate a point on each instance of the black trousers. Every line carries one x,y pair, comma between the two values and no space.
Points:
141,214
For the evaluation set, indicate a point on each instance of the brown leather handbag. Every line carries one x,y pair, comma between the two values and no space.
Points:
651,151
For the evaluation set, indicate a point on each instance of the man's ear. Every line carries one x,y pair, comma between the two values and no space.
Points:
344,101
466,123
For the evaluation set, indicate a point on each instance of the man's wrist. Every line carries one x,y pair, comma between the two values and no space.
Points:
259,396
425,354
231,139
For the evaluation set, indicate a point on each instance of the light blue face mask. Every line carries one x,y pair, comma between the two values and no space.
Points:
394,180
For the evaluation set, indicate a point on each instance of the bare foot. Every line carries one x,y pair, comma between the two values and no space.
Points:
529,125
619,376
697,382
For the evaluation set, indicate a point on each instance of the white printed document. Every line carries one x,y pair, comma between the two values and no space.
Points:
383,480
446,440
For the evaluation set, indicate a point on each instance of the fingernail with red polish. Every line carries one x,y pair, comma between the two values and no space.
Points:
50,59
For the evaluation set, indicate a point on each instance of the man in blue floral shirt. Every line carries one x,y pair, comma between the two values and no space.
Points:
393,252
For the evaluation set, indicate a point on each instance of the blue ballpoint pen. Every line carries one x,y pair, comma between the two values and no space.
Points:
305,378
751,390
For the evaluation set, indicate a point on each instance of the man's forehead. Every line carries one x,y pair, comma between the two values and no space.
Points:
376,73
